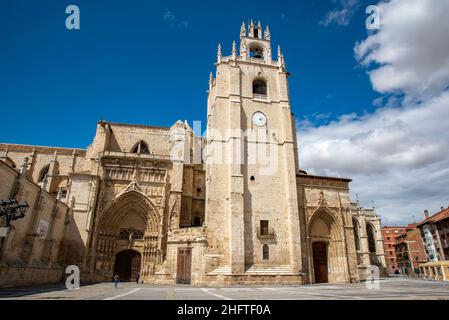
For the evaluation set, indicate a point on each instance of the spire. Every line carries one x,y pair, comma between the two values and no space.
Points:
243,30
211,80
59,194
267,34
281,62
5,153
259,25
43,183
251,23
24,167
219,53
234,50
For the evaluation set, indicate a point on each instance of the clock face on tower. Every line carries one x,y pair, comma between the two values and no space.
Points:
259,119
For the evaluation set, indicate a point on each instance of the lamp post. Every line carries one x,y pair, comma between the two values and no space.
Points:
10,210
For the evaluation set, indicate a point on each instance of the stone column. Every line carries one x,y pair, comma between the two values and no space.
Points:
350,245
364,249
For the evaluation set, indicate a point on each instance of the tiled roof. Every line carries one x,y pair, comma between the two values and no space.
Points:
443,215
440,215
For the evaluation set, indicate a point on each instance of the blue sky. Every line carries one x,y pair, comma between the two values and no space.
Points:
129,64
370,106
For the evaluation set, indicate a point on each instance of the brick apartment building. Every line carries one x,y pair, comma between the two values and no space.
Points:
389,235
410,251
435,234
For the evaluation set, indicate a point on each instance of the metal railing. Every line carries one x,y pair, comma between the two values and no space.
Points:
260,96
265,233
136,155
255,59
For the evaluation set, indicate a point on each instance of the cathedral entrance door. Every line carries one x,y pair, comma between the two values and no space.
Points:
127,265
320,261
184,263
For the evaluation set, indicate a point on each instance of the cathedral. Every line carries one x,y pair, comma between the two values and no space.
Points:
167,205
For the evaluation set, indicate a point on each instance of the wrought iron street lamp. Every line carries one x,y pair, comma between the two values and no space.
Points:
12,210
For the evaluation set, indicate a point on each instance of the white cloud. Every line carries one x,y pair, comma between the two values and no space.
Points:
398,155
342,15
183,24
171,20
412,48
169,17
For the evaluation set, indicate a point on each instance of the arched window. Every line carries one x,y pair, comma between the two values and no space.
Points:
130,234
256,33
371,238
356,234
265,252
44,173
140,147
256,53
259,88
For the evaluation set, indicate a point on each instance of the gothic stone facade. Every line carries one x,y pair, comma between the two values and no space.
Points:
169,206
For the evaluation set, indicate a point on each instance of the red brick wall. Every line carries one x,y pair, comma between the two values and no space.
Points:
389,235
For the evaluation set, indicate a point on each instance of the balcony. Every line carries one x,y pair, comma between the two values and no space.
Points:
257,59
260,96
115,154
266,233
445,243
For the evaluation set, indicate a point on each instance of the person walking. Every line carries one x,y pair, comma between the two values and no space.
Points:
138,278
116,280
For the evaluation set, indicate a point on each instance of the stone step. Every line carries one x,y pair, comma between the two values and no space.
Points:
221,270
256,270
270,270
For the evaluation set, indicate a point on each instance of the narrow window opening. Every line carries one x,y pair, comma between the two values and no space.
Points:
197,222
252,178
265,252
259,89
264,227
44,173
256,33
371,239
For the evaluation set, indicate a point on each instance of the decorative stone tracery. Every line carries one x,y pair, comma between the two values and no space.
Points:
324,227
133,208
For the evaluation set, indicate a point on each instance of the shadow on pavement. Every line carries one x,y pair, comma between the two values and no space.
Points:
17,292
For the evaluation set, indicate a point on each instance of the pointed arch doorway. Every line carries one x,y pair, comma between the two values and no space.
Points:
127,265
130,222
328,261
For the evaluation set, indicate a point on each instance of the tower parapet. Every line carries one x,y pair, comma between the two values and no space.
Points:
255,47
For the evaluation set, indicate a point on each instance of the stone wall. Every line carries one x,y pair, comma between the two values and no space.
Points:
33,251
124,137
328,220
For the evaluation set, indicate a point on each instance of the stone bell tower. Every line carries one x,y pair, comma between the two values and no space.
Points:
251,161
